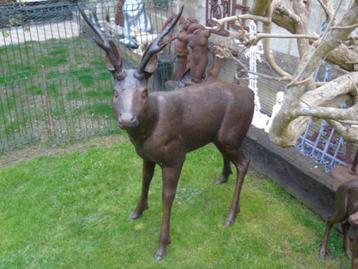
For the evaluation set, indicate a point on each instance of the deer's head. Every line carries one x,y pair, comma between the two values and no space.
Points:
130,94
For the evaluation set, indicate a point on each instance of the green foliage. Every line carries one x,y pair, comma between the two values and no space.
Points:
71,211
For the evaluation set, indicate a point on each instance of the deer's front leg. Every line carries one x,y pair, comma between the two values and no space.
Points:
170,182
148,172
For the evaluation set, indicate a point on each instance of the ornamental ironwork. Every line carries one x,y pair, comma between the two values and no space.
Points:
219,9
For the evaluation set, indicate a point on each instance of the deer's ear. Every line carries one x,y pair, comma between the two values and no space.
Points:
152,65
109,64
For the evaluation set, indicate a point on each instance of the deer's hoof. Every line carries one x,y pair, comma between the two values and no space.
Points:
221,180
323,252
349,253
138,212
230,220
161,253
135,215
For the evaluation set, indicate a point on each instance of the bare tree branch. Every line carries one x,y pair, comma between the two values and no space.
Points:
296,36
267,45
285,128
345,27
302,8
327,112
349,133
260,7
328,12
239,17
258,74
285,18
326,93
300,72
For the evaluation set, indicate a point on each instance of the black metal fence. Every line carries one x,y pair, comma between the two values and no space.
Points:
54,87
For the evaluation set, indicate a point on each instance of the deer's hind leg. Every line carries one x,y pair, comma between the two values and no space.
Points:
241,165
226,172
228,142
346,239
339,216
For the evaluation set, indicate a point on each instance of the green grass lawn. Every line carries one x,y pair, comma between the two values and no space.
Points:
61,81
71,211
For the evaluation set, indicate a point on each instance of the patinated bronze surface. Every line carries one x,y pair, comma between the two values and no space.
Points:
119,18
218,60
344,173
192,49
165,126
199,54
189,26
347,214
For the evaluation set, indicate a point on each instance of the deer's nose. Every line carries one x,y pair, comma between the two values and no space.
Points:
127,120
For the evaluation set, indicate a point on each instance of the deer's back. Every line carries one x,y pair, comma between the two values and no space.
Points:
197,113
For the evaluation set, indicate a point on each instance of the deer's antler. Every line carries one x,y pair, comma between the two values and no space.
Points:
102,41
156,45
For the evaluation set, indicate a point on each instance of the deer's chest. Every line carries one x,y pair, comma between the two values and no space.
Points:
163,149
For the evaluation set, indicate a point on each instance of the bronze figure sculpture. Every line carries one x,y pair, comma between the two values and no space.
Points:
347,214
165,126
218,60
119,17
189,26
199,54
192,48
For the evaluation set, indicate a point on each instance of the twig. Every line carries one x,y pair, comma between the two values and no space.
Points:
267,45
260,74
266,35
345,27
332,20
352,122
295,82
325,8
240,17
347,133
322,38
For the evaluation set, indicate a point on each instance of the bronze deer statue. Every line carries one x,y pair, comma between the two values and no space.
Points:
347,214
164,126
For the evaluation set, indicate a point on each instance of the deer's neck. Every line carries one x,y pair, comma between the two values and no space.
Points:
148,121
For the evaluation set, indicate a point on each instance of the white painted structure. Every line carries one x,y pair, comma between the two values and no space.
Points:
254,53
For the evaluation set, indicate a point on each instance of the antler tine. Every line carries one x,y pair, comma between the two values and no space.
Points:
92,22
155,46
107,45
